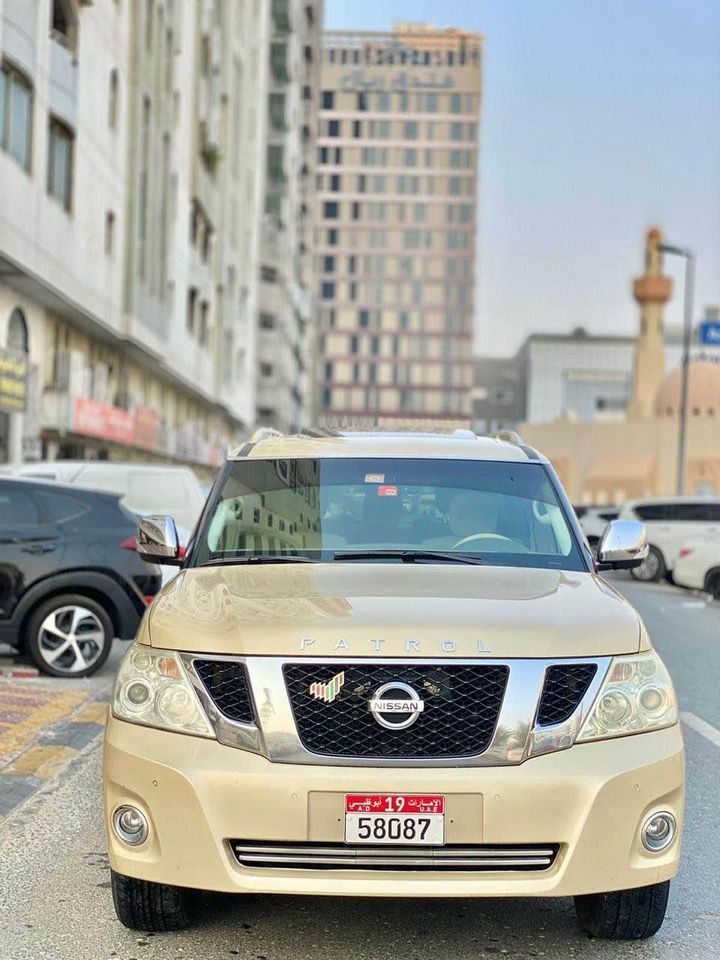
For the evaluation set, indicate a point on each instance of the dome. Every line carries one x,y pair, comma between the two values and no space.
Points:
703,391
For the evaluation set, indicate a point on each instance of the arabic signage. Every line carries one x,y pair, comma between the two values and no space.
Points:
13,381
404,81
105,422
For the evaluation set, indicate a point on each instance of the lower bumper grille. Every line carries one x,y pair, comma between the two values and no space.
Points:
339,856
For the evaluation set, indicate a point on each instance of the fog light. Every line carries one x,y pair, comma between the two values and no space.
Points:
658,832
130,825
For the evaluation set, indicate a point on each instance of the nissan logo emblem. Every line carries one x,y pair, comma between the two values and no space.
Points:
396,705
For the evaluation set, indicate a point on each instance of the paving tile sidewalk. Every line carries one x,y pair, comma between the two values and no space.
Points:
41,730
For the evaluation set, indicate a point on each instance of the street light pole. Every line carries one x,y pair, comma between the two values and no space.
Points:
689,258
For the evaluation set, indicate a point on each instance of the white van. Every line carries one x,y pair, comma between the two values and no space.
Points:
670,521
145,488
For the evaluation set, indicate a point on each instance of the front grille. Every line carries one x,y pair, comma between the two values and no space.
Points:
226,682
461,704
340,856
565,686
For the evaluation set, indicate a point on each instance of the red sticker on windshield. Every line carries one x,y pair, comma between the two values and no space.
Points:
387,491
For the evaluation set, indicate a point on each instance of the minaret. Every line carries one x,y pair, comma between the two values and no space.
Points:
652,291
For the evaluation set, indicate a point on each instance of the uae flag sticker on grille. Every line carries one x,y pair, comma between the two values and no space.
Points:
401,818
328,691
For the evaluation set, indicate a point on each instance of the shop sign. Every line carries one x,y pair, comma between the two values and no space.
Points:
93,419
147,428
13,381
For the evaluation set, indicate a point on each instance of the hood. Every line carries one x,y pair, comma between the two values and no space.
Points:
392,610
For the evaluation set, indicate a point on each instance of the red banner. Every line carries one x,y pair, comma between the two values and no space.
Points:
93,419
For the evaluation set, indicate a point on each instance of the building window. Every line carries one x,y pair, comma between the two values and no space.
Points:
109,232
364,318
267,321
60,162
331,210
329,264
353,345
64,23
333,128
362,101
455,103
328,370
356,210
327,291
204,323
113,99
328,100
192,296
411,130
335,182
332,237
266,369
15,114
357,129
17,334
327,397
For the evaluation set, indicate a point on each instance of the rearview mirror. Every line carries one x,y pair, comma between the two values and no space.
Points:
157,541
622,546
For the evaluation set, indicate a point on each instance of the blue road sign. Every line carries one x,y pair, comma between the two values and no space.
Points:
710,332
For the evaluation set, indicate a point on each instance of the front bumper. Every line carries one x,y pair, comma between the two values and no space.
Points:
198,794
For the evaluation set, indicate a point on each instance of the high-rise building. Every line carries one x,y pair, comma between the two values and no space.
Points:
285,315
132,163
395,227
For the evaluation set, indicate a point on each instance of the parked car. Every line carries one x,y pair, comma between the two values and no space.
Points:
388,668
670,521
70,578
144,488
594,520
698,565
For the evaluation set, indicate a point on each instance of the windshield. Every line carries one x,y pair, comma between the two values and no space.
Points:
502,513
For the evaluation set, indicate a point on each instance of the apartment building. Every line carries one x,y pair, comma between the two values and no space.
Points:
396,222
132,154
286,313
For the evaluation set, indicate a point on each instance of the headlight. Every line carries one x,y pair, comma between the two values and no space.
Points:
151,688
637,695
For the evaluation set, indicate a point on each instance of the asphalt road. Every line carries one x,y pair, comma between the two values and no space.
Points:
55,899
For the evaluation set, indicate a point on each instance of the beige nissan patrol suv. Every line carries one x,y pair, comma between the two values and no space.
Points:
389,667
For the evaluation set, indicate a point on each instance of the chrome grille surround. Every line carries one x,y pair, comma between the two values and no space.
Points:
340,856
517,736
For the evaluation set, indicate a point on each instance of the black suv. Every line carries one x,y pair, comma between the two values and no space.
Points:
70,578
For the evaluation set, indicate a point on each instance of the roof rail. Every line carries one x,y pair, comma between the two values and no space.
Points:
262,433
509,436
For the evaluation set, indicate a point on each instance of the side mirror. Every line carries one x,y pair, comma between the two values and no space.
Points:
157,541
622,546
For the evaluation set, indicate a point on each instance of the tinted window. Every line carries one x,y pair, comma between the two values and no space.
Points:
506,513
699,512
608,515
17,508
59,507
654,511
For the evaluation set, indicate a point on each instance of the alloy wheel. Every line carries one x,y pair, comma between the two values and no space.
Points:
649,569
71,639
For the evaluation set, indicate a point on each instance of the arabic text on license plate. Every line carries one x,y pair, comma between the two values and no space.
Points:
383,818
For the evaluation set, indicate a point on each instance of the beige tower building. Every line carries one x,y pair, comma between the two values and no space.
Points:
652,291
396,223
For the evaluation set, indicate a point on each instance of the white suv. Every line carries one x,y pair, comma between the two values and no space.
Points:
670,522
698,565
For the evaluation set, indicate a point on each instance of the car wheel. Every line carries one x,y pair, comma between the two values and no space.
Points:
69,636
624,914
153,907
652,568
712,584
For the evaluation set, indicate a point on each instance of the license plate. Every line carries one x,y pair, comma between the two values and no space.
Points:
383,818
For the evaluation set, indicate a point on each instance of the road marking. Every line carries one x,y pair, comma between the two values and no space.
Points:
702,727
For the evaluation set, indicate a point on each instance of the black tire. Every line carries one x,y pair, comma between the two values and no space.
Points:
93,644
625,914
153,907
712,584
652,569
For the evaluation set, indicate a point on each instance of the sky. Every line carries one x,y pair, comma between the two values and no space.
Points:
600,118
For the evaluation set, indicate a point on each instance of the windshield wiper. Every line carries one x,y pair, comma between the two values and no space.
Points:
407,556
258,558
